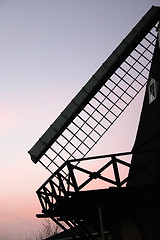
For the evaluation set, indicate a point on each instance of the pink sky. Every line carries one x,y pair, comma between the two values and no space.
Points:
49,50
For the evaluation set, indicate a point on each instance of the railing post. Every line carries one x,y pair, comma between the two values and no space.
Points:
116,172
72,176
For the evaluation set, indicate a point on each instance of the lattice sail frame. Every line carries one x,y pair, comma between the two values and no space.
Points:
102,100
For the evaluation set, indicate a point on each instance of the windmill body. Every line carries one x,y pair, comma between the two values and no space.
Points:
117,211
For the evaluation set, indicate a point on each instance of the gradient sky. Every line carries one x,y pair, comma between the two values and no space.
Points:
48,50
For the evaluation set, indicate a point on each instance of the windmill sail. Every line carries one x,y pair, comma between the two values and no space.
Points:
102,100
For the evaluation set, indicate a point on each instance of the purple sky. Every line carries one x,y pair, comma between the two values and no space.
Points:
49,50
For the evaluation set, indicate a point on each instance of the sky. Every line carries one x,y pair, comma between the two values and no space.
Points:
48,50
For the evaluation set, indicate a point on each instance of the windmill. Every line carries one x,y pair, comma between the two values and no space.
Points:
63,148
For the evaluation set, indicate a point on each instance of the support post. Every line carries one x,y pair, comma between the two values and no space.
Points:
101,222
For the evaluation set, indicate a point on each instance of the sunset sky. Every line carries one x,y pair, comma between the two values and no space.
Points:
48,50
